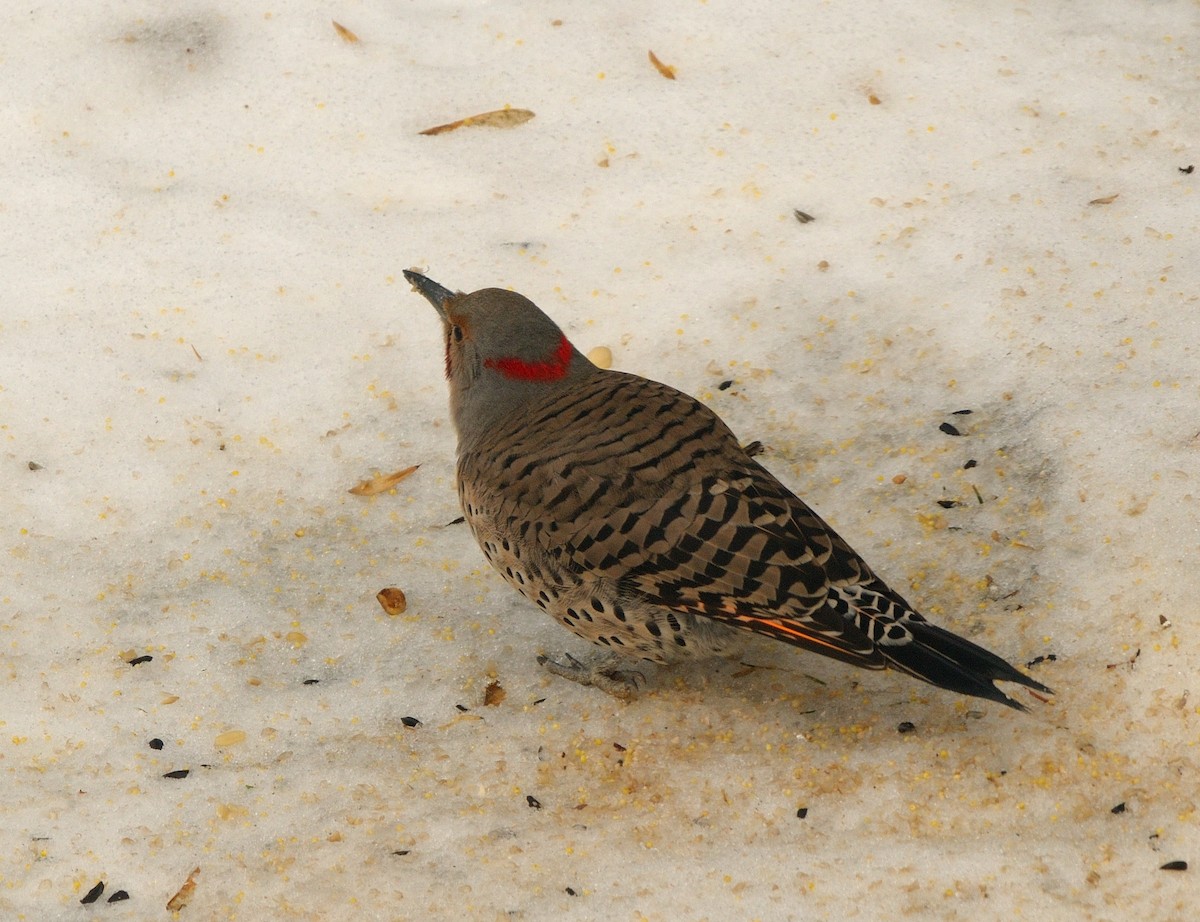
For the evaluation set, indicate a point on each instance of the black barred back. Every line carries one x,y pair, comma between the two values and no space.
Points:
627,493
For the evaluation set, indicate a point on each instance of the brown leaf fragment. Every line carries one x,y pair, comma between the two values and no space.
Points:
497,118
665,69
180,899
1106,200
382,482
345,33
494,694
392,600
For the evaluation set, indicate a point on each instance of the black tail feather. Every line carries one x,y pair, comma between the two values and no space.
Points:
944,659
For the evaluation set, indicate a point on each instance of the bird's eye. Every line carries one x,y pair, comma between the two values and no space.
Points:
457,333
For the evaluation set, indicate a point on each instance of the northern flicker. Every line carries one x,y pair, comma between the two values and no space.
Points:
629,512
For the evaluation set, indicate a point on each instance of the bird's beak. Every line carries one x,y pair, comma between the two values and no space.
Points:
434,293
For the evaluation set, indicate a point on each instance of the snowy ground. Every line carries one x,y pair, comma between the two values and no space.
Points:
205,341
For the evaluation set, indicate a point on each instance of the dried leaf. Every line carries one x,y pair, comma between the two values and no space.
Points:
497,118
494,694
392,600
382,483
180,899
1107,200
665,69
344,32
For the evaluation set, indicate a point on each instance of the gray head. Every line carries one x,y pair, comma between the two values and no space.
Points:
502,353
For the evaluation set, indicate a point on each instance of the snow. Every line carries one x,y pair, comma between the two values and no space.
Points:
206,341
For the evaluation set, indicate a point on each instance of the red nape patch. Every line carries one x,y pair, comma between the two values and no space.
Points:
550,369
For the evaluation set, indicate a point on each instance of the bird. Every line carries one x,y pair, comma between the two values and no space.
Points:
630,513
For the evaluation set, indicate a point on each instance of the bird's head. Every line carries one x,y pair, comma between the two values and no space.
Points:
502,352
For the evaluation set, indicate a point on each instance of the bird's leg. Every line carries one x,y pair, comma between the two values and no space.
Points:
602,671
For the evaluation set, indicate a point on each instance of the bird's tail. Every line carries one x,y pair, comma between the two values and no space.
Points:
944,659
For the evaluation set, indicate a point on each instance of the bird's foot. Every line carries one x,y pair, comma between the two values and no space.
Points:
602,672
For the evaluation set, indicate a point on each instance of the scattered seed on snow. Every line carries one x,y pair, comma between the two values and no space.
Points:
392,600
1174,866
